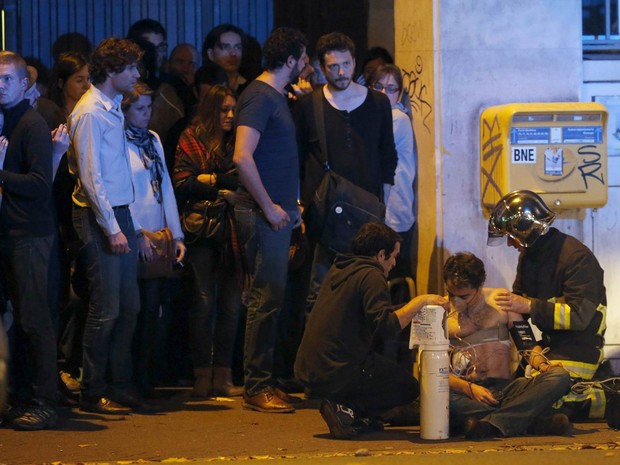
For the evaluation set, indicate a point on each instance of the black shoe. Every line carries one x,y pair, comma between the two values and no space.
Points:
367,425
557,424
38,415
403,415
480,429
133,400
14,411
612,405
340,419
103,405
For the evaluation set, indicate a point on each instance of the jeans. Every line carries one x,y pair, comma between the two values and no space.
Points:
266,254
521,401
113,306
24,262
215,311
321,263
150,343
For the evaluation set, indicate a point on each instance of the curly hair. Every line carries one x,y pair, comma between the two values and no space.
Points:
112,55
281,44
207,121
373,237
465,270
334,42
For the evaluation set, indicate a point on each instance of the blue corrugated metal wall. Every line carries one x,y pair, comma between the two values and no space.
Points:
32,26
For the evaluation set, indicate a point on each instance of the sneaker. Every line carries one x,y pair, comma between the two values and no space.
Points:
557,424
38,415
14,411
340,419
367,425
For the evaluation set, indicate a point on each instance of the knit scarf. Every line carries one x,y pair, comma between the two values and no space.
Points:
145,141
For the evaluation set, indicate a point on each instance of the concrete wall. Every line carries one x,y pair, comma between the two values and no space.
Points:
459,60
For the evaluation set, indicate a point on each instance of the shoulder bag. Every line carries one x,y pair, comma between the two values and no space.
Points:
206,219
339,207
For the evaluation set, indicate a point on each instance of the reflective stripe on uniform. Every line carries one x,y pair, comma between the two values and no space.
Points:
561,316
603,326
579,369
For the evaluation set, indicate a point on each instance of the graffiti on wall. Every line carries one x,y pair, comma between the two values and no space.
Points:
492,149
419,93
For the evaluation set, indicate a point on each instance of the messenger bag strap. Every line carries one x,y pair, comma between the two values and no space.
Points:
319,121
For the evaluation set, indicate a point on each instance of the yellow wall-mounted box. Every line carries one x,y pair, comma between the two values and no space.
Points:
558,150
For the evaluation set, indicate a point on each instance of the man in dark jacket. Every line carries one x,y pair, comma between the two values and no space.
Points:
26,231
337,359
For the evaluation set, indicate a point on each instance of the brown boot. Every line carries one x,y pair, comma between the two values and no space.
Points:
203,382
222,383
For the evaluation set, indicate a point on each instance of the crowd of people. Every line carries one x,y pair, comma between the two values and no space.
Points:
126,144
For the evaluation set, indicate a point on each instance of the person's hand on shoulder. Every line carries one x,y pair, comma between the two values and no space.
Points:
509,302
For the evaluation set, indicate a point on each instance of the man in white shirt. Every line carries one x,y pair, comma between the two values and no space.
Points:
99,161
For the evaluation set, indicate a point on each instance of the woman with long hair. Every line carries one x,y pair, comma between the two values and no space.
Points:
204,170
69,81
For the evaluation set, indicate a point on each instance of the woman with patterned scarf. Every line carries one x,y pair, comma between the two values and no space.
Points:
204,170
155,208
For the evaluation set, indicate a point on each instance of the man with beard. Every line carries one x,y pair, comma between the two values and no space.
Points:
358,132
266,208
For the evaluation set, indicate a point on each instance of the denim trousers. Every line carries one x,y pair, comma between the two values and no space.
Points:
322,260
266,254
215,311
24,262
113,306
150,342
521,401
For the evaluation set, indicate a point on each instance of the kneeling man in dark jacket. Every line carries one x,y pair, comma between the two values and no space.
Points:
338,360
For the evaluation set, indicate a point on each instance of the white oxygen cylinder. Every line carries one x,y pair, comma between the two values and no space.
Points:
434,392
430,333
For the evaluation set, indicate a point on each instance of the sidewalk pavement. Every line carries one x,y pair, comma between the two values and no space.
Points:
185,430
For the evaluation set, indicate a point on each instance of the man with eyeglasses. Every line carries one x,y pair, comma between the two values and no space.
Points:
152,31
358,132
485,400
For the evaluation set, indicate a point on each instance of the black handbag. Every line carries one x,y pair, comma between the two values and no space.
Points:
338,207
206,219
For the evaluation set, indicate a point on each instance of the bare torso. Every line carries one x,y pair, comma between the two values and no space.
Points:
488,356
